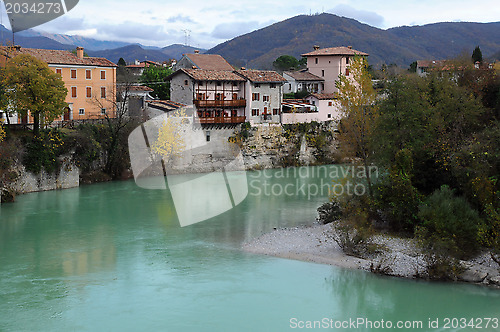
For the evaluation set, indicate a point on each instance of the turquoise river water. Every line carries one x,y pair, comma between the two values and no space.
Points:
113,257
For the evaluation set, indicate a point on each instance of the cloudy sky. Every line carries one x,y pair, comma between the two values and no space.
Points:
208,23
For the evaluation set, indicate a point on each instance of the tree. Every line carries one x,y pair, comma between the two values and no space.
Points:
286,62
32,86
121,62
413,67
357,98
155,77
477,56
2,132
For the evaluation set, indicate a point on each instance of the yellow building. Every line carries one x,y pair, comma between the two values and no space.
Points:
91,82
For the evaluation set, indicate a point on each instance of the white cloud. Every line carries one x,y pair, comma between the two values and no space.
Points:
234,29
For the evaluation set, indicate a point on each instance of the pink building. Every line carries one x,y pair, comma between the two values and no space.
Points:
329,63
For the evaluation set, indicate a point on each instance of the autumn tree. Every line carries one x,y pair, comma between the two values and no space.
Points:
357,98
32,86
170,140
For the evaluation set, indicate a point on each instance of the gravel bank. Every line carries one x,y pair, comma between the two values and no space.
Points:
401,257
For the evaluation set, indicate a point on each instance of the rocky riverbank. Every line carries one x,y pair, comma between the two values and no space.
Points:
400,257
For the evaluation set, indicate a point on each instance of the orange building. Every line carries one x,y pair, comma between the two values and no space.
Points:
91,82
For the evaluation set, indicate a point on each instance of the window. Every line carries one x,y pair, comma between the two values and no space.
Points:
81,111
265,98
329,103
235,83
322,72
88,74
59,71
255,112
200,83
290,86
257,85
219,83
347,60
208,136
255,96
273,85
329,115
73,91
103,74
103,111
276,111
316,60
347,72
186,82
103,92
89,92
73,73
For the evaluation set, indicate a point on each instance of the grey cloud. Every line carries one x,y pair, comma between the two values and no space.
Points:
364,16
132,30
231,30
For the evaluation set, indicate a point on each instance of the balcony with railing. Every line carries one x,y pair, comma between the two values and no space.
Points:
220,103
223,120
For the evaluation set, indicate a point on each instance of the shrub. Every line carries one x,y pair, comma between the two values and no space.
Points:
329,212
43,151
450,224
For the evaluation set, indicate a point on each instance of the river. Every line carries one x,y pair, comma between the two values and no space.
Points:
113,257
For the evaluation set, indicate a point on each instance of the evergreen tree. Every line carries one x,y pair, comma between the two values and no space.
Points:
477,55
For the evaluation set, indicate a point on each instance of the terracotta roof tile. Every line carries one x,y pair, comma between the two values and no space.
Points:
211,75
261,76
303,76
209,61
57,57
323,96
335,51
140,88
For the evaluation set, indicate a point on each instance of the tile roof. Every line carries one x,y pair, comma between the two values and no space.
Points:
166,105
303,76
56,57
209,61
140,88
261,76
323,96
210,75
335,51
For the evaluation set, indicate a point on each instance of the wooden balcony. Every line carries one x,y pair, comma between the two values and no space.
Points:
220,103
223,120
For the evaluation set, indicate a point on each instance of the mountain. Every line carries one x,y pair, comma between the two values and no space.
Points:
176,51
31,42
130,53
87,43
401,45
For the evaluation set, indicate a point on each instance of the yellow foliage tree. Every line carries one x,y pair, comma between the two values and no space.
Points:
357,98
170,140
2,132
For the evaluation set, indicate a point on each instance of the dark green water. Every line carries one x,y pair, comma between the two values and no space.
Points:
112,257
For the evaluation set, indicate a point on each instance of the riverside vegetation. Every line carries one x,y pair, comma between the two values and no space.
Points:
436,141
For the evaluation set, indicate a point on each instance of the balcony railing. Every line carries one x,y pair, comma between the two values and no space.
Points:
220,103
226,119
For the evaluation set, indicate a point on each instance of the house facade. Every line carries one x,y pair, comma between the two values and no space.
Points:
91,82
218,95
329,63
302,81
264,92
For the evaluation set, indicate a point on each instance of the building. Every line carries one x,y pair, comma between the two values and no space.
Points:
302,81
203,61
264,91
218,95
138,67
91,82
329,63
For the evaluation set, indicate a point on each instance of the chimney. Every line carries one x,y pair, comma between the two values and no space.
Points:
316,47
79,52
196,51
349,47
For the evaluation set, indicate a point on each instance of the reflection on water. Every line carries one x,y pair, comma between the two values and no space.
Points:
114,257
